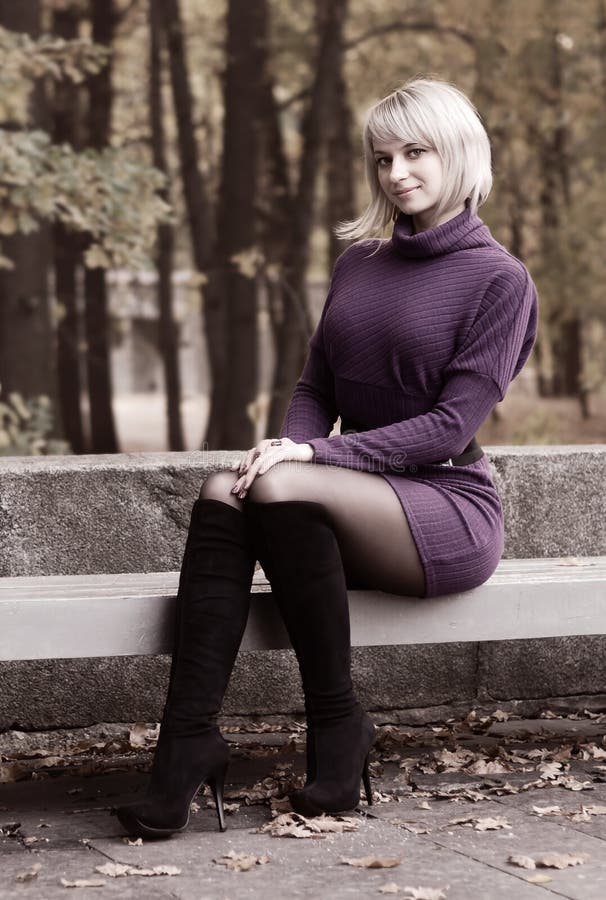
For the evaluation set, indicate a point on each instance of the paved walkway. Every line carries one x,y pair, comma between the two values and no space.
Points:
452,806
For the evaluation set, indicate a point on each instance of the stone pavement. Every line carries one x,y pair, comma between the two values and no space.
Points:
452,805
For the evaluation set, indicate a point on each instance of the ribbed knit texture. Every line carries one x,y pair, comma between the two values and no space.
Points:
416,344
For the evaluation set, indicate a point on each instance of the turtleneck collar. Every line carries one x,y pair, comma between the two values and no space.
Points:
463,232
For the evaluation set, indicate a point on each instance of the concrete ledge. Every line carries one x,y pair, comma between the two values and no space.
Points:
130,512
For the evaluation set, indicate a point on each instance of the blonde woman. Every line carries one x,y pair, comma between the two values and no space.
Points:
420,336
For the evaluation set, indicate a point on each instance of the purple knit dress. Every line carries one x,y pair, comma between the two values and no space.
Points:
416,344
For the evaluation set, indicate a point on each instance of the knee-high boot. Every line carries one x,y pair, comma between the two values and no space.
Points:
212,610
297,547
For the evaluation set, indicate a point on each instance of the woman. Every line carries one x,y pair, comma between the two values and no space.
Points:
419,338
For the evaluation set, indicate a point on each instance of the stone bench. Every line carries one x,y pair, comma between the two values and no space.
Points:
77,616
83,631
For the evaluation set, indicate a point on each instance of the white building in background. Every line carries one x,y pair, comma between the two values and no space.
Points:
135,354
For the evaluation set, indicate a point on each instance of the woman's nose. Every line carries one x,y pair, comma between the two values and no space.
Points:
399,169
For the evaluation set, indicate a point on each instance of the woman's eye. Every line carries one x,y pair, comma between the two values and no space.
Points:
383,161
415,152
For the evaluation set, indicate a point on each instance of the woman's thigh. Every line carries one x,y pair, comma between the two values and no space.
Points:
376,544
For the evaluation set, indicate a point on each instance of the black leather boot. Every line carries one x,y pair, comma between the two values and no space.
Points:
212,610
296,545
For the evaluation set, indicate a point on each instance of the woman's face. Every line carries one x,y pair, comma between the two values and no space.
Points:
411,177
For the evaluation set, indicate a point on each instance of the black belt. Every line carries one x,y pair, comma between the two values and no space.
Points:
471,453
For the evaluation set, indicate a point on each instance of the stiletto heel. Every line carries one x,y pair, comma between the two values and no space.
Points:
216,784
366,780
212,608
181,766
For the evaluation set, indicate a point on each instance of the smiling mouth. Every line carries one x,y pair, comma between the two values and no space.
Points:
406,191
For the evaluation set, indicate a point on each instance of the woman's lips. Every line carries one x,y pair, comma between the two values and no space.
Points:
405,191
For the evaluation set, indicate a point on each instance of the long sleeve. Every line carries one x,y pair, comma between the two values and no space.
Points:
493,352
312,410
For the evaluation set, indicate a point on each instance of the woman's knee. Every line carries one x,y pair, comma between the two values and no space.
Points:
218,486
276,485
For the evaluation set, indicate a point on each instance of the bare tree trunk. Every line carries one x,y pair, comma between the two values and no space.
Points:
236,219
67,256
27,362
555,197
340,194
168,329
97,325
292,339
199,217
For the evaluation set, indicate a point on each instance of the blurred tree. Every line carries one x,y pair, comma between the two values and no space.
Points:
291,337
97,326
197,204
109,196
26,332
67,247
168,329
234,268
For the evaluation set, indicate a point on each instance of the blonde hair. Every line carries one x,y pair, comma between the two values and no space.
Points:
437,114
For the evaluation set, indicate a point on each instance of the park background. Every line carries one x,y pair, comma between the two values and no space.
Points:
171,171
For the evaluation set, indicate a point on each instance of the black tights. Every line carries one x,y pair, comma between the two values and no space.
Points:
377,548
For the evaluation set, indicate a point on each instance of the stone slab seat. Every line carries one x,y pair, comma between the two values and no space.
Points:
81,616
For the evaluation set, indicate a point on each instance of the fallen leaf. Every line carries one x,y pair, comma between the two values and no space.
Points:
592,751
136,843
142,735
10,829
118,870
561,860
524,862
371,862
83,882
426,893
28,875
594,810
410,826
570,783
487,767
550,770
423,805
297,826
493,823
240,862
550,860
390,888
539,878
547,811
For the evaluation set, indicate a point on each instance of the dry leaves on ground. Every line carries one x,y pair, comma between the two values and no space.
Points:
371,862
549,860
413,827
118,870
142,735
240,862
296,826
83,883
584,814
29,874
487,823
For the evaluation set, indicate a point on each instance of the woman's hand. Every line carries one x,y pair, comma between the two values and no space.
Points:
265,455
